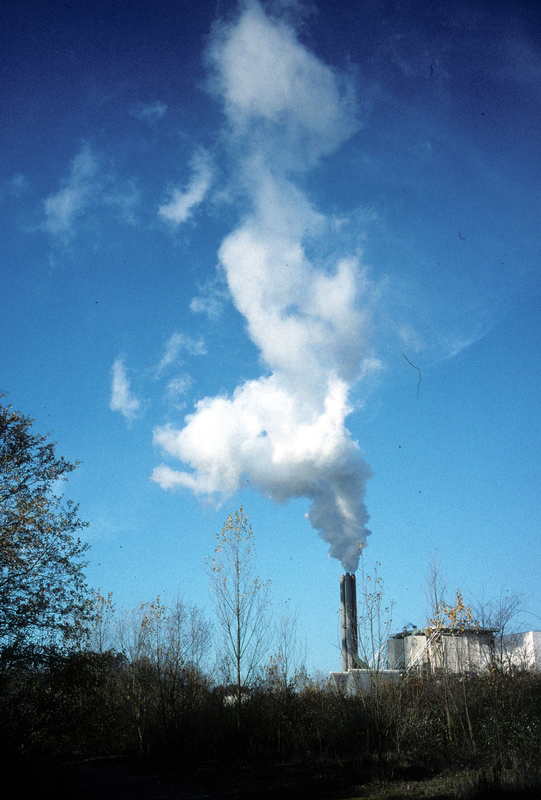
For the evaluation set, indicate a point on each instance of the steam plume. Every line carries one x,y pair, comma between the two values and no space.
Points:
285,432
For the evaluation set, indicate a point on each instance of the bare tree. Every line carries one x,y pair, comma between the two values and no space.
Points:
502,614
241,601
378,697
436,589
166,649
101,633
173,637
288,663
375,619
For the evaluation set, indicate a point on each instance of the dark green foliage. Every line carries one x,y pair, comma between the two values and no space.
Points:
42,585
97,704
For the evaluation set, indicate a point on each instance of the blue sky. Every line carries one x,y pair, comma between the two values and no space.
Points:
287,256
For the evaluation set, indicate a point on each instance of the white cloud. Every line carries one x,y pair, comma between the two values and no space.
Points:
121,397
149,112
183,202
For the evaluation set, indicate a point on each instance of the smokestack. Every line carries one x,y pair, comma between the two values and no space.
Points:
343,624
348,621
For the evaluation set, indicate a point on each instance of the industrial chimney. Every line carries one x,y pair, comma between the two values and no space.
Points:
348,622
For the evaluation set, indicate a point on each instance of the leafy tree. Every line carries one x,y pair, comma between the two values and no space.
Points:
241,602
43,594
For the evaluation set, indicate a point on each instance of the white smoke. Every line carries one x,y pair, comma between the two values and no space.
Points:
285,432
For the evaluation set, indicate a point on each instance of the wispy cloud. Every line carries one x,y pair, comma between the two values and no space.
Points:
87,187
149,112
121,397
15,187
182,202
410,338
19,185
176,344
177,389
64,207
210,300
124,199
453,344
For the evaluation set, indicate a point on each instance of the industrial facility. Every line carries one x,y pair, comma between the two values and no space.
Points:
460,649
356,674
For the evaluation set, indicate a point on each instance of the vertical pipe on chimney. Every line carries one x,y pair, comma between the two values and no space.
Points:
343,624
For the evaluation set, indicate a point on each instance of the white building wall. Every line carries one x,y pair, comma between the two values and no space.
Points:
363,680
536,648
454,653
521,650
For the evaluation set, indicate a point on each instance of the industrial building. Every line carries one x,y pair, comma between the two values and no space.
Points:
431,650
462,650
